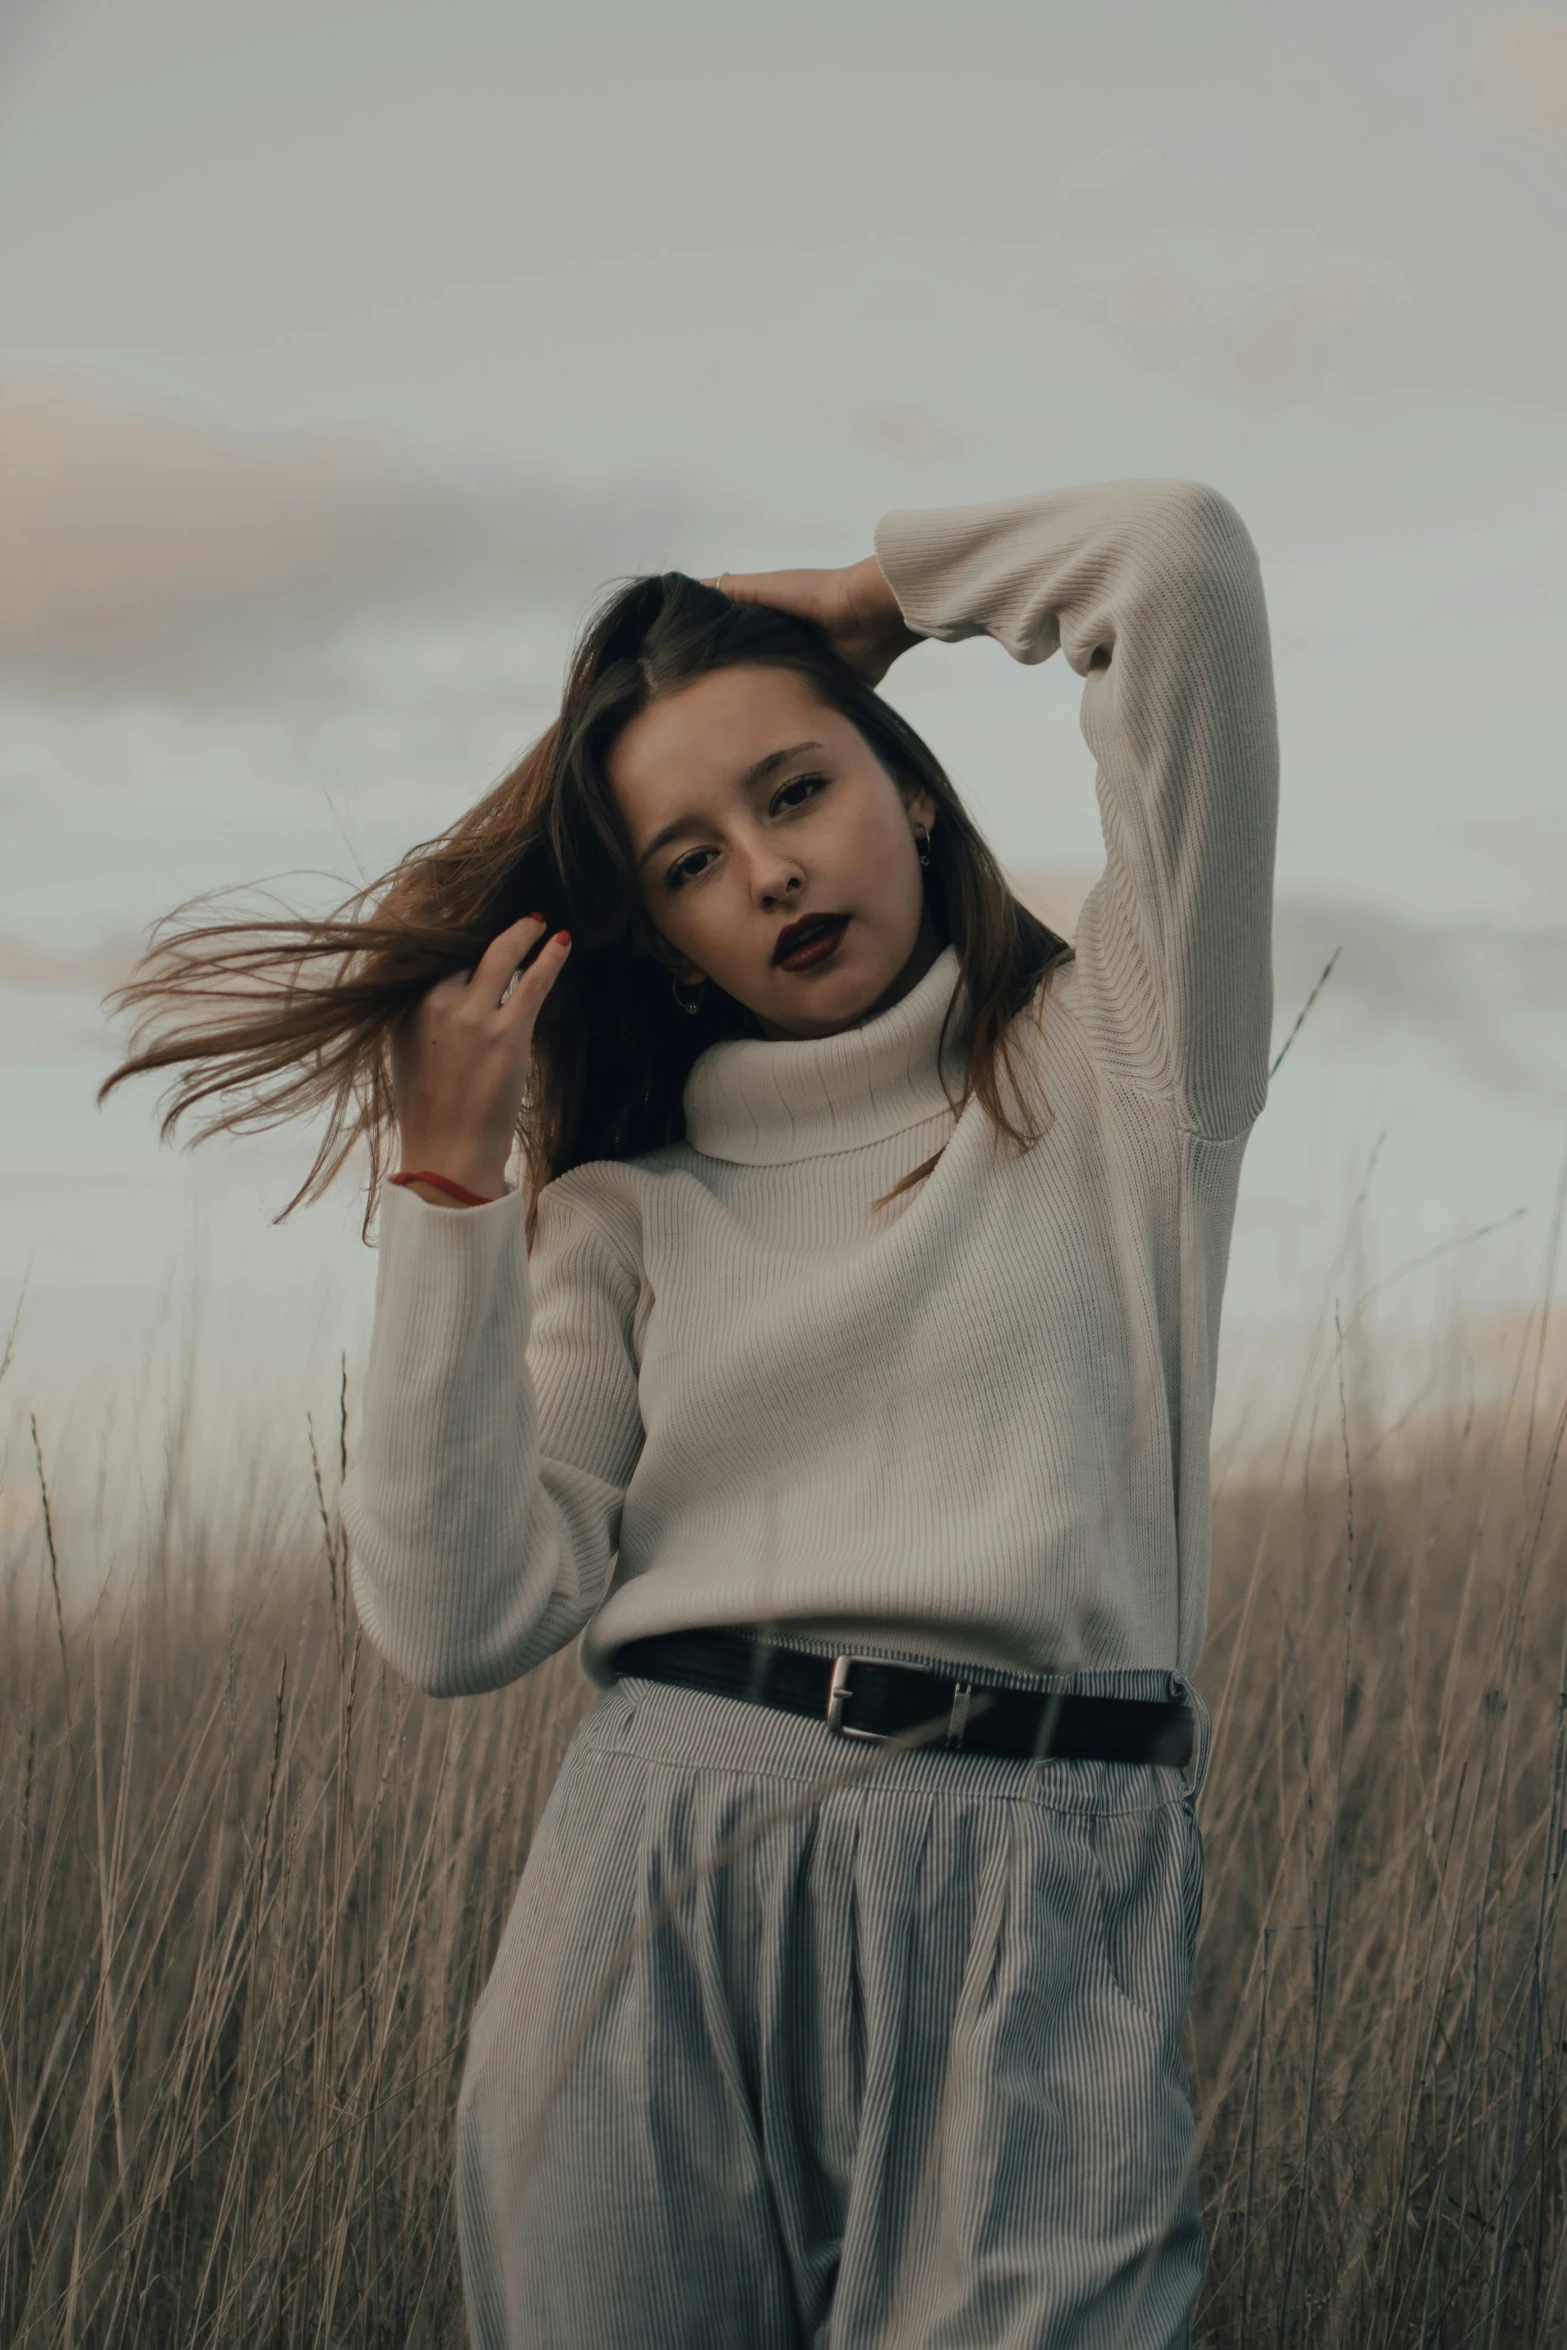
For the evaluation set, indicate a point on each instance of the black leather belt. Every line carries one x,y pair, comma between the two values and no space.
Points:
866,1697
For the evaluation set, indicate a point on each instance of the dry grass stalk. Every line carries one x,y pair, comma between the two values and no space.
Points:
251,1887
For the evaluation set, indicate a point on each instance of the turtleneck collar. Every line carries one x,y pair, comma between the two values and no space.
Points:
764,1104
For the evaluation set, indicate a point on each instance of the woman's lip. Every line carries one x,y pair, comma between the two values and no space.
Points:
815,948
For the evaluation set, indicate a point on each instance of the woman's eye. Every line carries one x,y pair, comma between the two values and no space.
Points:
687,868
797,791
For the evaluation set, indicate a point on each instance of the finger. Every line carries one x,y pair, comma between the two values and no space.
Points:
810,595
509,948
749,587
742,587
534,984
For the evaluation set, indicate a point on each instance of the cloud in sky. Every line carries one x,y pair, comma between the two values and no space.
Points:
908,302
94,969
20,1509
1279,348
1521,76
146,548
908,429
1259,347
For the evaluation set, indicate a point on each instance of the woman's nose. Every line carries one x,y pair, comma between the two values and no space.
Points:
776,882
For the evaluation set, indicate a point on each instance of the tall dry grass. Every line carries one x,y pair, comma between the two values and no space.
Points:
252,1886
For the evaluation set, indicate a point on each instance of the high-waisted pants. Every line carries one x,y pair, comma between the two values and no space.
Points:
798,2044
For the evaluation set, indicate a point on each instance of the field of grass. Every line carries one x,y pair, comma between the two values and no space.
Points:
250,1885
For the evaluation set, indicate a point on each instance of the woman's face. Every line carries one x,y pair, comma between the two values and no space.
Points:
775,854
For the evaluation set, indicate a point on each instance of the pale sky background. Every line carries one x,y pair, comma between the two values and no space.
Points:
345,348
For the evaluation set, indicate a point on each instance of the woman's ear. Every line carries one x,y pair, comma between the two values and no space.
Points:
657,947
650,941
921,806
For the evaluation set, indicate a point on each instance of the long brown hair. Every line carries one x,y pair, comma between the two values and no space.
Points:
275,1017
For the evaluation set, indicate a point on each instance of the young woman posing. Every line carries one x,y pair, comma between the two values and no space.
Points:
855,1386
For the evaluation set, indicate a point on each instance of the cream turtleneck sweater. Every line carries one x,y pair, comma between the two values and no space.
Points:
728,1389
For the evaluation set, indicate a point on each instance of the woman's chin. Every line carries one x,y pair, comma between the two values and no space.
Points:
826,1001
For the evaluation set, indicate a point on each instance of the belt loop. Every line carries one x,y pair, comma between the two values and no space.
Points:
1185,1694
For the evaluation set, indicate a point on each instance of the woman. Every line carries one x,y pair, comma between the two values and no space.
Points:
852,1404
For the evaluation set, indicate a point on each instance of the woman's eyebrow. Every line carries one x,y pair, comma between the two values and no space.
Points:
755,774
775,759
672,831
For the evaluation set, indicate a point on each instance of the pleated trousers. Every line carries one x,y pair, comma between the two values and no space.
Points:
793,2042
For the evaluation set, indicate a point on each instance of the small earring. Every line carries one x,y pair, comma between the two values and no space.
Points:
922,843
692,1008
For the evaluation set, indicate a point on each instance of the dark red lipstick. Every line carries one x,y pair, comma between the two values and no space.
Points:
809,941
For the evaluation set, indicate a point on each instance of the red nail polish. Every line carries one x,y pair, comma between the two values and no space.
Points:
535,917
563,938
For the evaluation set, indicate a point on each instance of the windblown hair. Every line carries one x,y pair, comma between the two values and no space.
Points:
273,1018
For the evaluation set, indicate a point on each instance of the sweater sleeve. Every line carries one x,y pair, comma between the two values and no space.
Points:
500,1430
1152,591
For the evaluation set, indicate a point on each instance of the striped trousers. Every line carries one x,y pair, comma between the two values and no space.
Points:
793,2044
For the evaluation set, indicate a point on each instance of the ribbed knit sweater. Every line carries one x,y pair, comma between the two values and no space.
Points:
974,1423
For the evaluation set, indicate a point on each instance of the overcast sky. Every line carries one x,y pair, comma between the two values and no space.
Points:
345,347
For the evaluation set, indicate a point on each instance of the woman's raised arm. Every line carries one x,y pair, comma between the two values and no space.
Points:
483,1506
1152,591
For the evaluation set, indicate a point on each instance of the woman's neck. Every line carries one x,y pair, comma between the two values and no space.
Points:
761,1102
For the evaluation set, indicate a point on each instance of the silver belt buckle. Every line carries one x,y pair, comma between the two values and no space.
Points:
838,1695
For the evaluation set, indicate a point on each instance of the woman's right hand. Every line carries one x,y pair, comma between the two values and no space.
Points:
460,1061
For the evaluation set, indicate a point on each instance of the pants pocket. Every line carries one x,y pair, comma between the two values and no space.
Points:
1148,1876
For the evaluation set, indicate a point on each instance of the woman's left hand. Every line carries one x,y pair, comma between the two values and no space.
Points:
855,606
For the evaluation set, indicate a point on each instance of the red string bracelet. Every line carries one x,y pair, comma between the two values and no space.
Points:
457,1191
